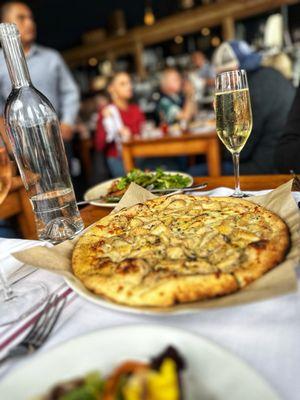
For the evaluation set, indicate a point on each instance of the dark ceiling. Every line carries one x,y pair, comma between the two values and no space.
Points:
62,22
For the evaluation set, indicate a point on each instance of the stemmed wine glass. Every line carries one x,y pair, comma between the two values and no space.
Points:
17,302
233,116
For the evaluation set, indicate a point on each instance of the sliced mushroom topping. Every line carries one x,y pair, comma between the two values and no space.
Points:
229,262
159,229
135,222
196,211
200,267
174,253
211,206
242,236
177,201
193,242
175,241
208,237
138,231
153,239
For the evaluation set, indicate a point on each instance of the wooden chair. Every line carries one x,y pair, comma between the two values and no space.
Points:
85,150
186,144
18,205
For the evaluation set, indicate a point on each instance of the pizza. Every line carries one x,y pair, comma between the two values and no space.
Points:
179,249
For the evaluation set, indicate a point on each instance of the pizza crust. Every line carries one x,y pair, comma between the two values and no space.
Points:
179,249
165,293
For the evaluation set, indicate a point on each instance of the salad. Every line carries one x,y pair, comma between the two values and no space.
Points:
148,180
159,379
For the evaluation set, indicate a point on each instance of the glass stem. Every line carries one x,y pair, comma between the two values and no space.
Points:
236,168
7,290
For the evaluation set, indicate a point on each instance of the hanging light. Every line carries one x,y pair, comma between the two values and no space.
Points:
205,31
178,39
149,17
186,4
93,61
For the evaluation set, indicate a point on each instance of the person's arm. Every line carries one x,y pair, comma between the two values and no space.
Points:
69,99
140,121
100,134
111,124
189,107
3,134
287,154
2,123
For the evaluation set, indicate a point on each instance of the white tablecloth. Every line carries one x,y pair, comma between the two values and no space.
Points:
265,334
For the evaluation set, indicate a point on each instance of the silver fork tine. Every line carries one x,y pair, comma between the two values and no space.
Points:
51,322
47,316
41,329
39,320
47,320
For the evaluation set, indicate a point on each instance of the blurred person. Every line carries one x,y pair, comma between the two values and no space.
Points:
95,168
204,68
287,154
281,62
91,103
177,101
271,99
118,121
49,74
48,71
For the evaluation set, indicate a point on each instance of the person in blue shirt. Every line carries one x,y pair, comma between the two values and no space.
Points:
49,74
48,71
204,69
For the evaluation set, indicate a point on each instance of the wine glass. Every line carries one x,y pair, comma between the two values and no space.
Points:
233,116
19,301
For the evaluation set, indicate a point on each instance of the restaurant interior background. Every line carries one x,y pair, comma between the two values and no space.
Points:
98,38
144,37
109,293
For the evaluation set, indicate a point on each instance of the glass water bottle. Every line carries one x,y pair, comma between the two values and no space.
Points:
34,133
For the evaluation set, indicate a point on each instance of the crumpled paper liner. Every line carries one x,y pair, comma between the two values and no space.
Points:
279,281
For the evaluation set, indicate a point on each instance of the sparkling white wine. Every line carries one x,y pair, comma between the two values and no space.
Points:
233,118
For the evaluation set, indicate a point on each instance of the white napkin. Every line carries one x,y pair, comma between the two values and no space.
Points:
7,246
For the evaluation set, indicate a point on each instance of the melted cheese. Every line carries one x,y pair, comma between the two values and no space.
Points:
186,236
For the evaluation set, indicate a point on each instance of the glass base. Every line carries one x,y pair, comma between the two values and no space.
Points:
26,298
61,229
239,194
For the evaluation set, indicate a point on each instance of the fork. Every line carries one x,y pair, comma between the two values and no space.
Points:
40,331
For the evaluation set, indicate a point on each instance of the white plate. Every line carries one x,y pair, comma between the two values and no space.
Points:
102,188
212,372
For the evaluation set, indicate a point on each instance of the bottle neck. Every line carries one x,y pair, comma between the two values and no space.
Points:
15,59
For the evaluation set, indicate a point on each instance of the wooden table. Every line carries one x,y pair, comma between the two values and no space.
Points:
168,146
91,214
17,205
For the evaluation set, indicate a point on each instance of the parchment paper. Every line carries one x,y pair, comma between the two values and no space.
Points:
280,280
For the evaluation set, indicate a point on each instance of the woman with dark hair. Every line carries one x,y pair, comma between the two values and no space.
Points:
118,122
